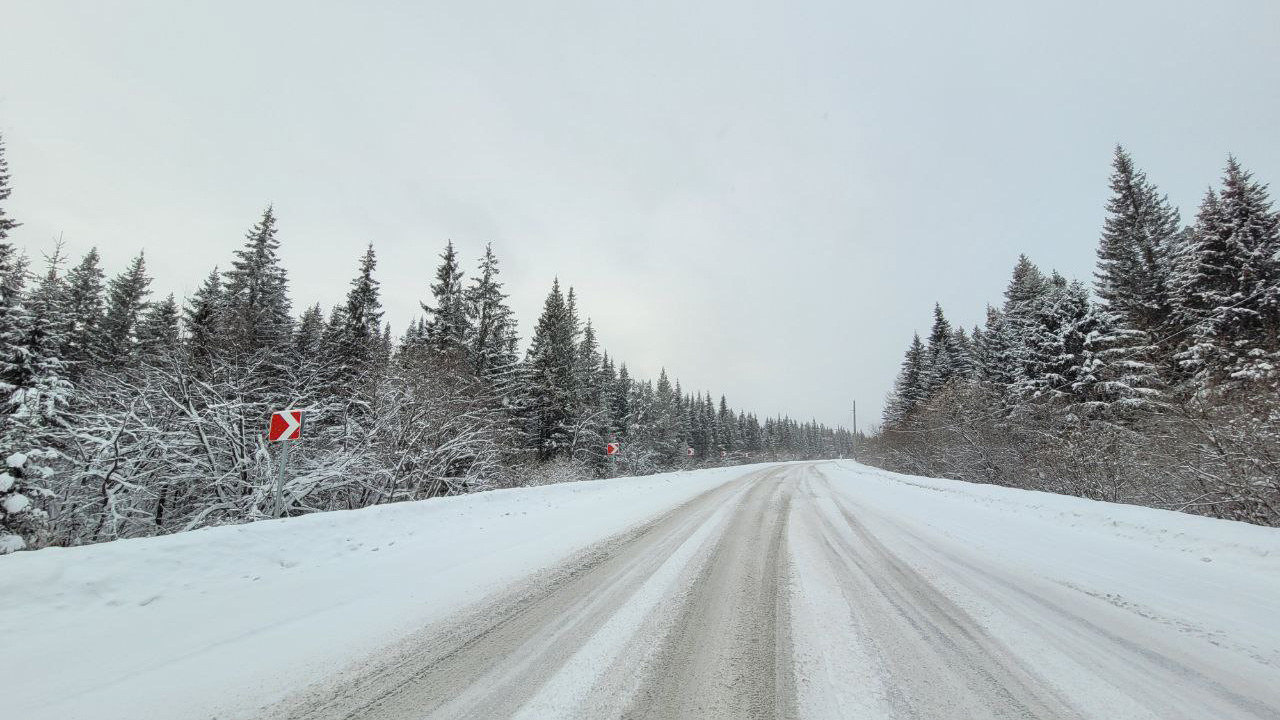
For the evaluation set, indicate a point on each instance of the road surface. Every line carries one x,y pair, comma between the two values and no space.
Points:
781,595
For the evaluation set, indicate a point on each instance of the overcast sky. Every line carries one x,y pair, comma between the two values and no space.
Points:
765,197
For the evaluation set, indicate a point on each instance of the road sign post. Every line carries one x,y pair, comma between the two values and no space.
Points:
284,461
286,426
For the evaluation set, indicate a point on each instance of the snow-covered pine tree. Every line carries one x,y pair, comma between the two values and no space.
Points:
1132,279
963,346
942,359
1134,251
587,368
1063,362
85,303
16,507
308,338
1228,286
126,301
622,394
158,330
911,387
6,223
727,425
1019,320
359,342
36,397
992,345
256,319
551,362
491,344
592,429
12,281
201,319
447,326
666,438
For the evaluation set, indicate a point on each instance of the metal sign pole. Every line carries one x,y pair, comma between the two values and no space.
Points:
284,460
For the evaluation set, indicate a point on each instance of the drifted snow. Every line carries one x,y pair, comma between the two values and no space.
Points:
15,503
10,544
16,460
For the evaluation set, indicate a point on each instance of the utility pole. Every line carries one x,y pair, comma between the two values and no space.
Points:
854,441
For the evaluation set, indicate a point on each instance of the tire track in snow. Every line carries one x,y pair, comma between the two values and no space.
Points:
727,651
1137,672
934,659
492,659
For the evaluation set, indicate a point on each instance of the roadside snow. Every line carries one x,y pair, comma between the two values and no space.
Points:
1185,587
220,621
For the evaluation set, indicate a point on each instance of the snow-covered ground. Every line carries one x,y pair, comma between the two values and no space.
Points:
220,620
819,590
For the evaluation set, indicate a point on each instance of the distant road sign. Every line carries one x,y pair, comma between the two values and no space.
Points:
612,449
285,425
689,452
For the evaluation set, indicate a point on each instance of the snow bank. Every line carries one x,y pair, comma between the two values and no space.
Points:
219,621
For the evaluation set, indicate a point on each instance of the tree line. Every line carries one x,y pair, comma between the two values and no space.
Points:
126,414
1158,388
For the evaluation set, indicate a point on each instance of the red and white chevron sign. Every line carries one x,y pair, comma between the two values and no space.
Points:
612,449
285,425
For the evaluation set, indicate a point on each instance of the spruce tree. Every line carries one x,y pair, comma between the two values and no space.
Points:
911,387
587,368
963,347
943,363
1135,268
622,394
6,223
1019,321
202,318
126,300
255,296
727,426
491,346
12,317
360,340
1062,360
447,326
85,303
158,330
1134,251
552,362
12,278
37,394
308,339
1228,285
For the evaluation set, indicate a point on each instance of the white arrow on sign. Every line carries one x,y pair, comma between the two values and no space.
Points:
285,425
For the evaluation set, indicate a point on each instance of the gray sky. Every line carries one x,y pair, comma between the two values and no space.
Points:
766,197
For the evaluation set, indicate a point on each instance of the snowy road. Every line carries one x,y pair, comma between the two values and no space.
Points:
787,593
807,590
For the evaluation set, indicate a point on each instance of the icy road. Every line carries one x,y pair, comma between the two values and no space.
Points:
823,590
